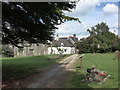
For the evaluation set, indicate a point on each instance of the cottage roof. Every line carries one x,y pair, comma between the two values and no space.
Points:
65,41
74,39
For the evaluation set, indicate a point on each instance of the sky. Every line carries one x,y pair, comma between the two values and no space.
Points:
90,13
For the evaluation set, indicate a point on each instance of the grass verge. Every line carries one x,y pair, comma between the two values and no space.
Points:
19,68
105,62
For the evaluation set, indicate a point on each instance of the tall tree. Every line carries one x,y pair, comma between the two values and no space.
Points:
100,40
32,21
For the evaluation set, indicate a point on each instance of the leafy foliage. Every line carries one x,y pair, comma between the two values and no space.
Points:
34,22
6,51
100,40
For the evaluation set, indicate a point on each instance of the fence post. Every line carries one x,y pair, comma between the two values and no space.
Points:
81,59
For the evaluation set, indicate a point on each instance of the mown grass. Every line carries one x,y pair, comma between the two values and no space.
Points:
19,68
105,62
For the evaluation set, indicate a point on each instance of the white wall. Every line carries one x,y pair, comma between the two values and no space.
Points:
69,50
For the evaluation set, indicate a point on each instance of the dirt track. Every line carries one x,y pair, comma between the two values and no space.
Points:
54,77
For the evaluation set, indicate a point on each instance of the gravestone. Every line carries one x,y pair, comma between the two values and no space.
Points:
117,55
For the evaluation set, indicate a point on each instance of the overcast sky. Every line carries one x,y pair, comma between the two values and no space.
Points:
90,13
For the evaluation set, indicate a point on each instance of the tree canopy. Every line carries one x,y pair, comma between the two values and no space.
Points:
32,22
100,40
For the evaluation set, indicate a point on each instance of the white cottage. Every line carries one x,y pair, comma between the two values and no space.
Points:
66,44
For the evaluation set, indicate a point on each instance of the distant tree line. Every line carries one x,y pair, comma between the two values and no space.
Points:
101,40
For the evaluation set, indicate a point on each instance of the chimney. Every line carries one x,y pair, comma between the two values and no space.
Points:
74,35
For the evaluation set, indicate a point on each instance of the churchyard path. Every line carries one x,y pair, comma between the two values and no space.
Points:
53,77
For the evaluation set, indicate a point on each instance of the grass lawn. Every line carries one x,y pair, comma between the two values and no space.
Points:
19,68
105,62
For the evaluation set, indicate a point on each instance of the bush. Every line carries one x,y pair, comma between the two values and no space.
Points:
6,51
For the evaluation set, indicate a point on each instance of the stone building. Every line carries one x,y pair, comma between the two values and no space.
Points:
31,50
68,44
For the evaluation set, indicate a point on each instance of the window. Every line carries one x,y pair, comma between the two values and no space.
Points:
31,52
20,50
65,50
